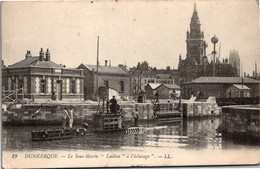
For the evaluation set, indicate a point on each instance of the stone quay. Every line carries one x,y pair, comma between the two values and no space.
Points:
241,122
51,112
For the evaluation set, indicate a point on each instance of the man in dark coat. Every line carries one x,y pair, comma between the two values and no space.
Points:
113,106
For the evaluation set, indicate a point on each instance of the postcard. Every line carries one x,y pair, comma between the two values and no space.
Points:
130,83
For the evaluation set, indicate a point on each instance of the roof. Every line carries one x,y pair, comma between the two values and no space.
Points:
154,85
169,86
241,87
172,86
24,63
48,64
224,80
106,69
34,62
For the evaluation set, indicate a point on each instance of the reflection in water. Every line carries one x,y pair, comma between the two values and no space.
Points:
188,134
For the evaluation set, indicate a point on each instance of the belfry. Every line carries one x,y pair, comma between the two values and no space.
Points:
196,63
195,38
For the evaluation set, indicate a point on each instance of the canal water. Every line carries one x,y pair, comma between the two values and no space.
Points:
196,134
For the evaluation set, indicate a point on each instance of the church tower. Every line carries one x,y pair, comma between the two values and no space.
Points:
195,39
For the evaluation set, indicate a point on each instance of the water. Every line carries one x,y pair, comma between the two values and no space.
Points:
196,134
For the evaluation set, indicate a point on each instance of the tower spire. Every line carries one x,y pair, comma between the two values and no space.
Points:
195,38
195,17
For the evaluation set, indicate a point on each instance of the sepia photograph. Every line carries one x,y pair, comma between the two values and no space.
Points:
117,83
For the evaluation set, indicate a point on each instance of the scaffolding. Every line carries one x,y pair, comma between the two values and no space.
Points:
12,95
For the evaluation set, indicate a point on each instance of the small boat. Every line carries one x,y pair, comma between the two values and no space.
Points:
59,133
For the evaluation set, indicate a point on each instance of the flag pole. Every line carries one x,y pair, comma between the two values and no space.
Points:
97,64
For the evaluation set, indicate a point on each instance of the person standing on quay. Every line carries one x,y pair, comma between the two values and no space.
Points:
71,117
64,115
135,115
67,115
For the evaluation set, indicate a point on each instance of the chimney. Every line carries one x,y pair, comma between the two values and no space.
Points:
41,55
253,73
105,62
28,54
244,74
168,67
48,55
109,62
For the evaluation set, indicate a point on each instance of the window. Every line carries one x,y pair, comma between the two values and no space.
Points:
106,83
43,86
13,84
122,87
72,86
20,85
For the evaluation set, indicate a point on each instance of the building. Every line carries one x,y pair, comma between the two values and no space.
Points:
238,90
165,91
115,77
168,75
234,60
141,79
220,87
39,79
222,69
196,63
143,74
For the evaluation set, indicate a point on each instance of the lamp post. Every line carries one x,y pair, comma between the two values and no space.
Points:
214,40
204,59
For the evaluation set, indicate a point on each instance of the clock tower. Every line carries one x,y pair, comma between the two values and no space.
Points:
195,39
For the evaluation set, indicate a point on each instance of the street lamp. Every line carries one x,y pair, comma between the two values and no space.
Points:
204,59
214,40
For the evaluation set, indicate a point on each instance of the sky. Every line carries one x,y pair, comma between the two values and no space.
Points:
129,31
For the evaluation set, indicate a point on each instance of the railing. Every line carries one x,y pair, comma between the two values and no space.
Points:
71,71
9,71
41,70
15,70
220,95
237,101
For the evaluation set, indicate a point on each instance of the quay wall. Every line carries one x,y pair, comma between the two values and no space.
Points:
22,114
192,108
53,115
200,110
242,121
